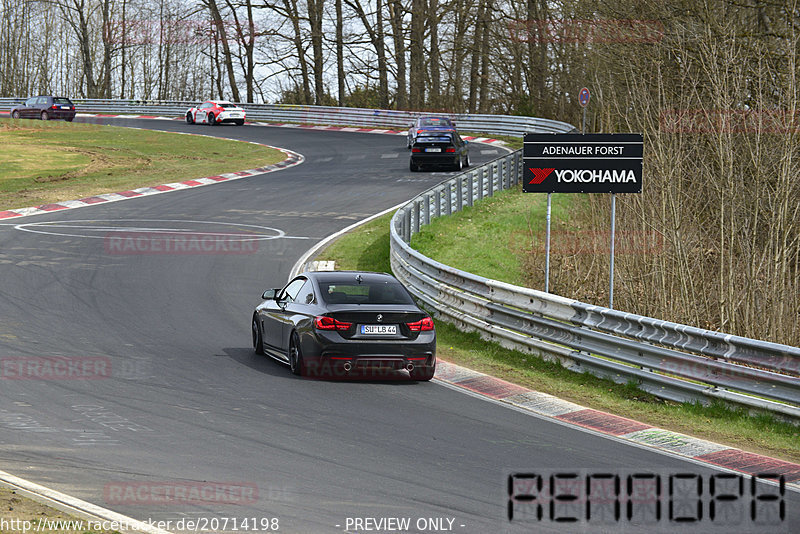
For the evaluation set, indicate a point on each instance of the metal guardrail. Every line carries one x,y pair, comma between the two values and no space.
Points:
332,116
673,361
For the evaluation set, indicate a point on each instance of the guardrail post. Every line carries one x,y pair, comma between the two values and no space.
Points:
427,210
501,167
448,198
415,227
470,193
407,225
459,193
437,207
479,172
491,180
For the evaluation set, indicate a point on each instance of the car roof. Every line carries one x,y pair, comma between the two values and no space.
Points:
349,276
219,101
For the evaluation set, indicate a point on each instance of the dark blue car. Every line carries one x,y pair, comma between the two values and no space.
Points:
45,108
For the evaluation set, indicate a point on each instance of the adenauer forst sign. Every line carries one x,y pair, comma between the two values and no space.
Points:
582,163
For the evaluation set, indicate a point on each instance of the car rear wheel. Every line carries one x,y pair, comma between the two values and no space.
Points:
211,119
467,164
460,163
15,114
45,116
413,167
189,118
239,122
68,119
424,373
296,355
258,340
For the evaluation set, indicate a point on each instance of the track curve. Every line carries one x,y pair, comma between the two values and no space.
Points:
186,401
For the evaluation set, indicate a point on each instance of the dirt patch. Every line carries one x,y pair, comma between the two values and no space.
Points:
98,164
16,510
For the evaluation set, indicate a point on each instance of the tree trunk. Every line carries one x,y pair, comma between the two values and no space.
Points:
226,51
418,13
396,13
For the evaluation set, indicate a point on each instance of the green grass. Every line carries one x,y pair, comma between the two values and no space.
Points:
367,248
487,239
43,162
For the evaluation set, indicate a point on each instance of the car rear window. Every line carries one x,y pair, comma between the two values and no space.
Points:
434,139
65,101
435,122
365,293
227,105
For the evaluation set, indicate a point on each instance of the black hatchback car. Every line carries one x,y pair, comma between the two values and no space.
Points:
439,149
346,323
45,108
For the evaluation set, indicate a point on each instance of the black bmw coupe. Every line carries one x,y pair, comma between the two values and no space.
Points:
346,323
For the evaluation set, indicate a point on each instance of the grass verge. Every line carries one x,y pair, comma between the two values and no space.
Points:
367,247
18,513
44,162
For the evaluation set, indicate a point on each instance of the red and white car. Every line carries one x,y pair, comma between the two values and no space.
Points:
215,112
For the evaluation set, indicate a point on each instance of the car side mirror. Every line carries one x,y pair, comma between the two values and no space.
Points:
270,294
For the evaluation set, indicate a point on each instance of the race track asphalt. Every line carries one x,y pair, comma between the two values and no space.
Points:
180,400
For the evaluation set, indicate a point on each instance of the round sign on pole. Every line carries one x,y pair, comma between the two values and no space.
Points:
583,97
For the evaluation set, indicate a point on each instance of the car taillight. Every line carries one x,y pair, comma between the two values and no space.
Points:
416,150
53,107
450,150
423,325
329,323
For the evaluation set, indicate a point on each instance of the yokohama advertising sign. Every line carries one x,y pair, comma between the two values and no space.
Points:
576,163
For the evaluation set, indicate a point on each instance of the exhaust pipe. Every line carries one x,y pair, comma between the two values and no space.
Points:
410,367
347,367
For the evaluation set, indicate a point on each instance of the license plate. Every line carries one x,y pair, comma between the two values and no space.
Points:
433,150
379,329
64,107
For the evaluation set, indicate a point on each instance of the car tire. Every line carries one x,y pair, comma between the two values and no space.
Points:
423,374
258,339
296,363
15,115
412,167
212,120
68,119
467,164
239,122
45,116
459,163
189,118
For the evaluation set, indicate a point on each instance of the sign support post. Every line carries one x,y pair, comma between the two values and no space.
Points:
611,273
547,249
